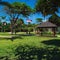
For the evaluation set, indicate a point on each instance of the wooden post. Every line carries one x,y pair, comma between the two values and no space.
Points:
54,32
41,32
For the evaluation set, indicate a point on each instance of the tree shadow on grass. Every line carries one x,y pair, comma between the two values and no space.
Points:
12,38
20,36
35,53
55,42
29,53
25,52
15,37
26,34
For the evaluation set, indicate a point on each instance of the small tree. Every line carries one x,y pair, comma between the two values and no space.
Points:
20,23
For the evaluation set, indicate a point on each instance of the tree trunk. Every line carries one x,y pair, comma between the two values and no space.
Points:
54,32
11,29
15,31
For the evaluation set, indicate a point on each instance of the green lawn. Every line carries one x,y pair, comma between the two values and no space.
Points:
8,46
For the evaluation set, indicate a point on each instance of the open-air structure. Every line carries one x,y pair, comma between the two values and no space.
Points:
47,25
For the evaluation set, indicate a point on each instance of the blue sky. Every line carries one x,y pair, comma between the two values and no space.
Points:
31,3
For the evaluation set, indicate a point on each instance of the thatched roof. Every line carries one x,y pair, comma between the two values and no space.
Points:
46,25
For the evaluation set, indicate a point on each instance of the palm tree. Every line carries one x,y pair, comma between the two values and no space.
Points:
39,20
20,23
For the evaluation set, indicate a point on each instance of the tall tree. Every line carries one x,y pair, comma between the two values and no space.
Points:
15,11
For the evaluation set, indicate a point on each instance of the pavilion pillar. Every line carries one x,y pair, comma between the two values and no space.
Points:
40,33
54,32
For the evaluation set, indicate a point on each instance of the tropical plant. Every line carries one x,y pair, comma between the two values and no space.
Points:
20,24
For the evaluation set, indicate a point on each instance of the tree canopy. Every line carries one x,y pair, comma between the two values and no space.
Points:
55,19
47,7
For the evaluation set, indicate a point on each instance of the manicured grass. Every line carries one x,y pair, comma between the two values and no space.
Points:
8,46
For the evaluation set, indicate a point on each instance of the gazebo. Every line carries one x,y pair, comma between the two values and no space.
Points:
47,25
